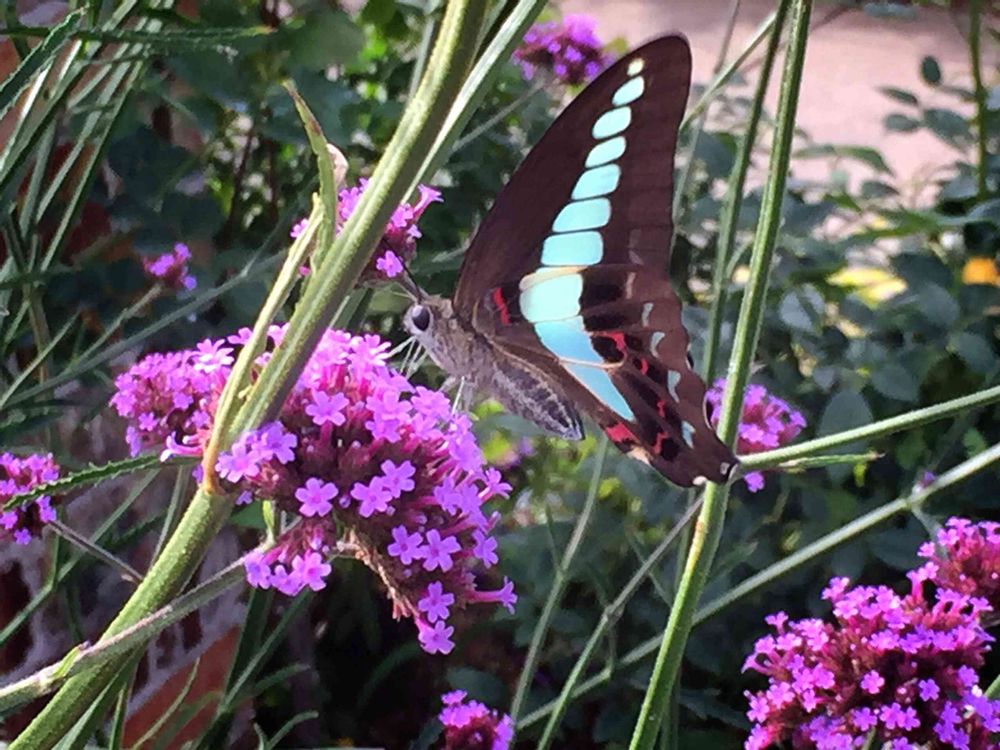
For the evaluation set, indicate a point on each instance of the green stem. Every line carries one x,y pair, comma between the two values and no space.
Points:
127,571
515,105
341,266
870,431
843,535
733,202
110,651
708,531
343,261
557,709
975,16
559,582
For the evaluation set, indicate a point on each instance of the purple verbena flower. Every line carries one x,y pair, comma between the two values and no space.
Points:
171,269
372,466
471,725
24,522
965,557
399,241
569,49
767,423
903,667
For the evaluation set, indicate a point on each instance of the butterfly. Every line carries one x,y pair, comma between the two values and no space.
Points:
563,304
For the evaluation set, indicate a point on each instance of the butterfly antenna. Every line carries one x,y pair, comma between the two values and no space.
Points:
406,281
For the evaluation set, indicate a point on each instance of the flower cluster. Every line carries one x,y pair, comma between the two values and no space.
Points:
373,467
470,725
171,269
903,668
19,475
399,241
767,423
168,399
569,48
965,557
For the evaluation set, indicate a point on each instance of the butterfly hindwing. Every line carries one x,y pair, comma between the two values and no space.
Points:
568,270
619,350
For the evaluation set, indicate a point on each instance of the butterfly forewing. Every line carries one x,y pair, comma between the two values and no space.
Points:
568,270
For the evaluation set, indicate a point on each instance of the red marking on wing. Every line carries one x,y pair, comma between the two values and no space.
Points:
501,304
620,433
643,364
661,408
619,339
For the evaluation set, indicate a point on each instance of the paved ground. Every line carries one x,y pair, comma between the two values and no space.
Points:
848,59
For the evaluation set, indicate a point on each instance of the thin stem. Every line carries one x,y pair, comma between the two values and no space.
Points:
343,262
794,562
515,105
878,429
557,709
341,266
975,58
733,201
107,652
708,532
559,582
127,571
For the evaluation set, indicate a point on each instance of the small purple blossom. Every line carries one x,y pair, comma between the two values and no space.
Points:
965,557
436,602
406,546
767,423
18,475
569,49
315,497
399,241
471,725
438,551
397,479
171,269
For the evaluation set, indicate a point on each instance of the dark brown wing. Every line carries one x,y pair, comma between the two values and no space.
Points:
509,241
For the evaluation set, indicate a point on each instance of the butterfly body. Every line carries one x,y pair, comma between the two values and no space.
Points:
465,353
563,303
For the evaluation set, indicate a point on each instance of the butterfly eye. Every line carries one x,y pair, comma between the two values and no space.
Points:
420,317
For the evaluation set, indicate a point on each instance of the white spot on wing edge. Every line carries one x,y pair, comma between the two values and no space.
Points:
635,66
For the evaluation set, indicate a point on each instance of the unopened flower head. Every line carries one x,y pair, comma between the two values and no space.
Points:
901,667
171,269
767,423
18,475
374,467
471,725
399,241
569,49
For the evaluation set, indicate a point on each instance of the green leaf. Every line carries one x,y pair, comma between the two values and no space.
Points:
930,70
900,95
947,124
15,83
900,123
331,164
895,381
975,351
323,39
845,410
802,309
937,305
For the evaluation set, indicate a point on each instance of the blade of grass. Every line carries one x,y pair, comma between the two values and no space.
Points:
40,56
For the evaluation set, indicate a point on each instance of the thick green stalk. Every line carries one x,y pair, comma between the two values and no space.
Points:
733,201
979,91
708,531
401,166
342,265
559,582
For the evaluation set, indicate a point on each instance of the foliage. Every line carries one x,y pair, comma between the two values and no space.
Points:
168,124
